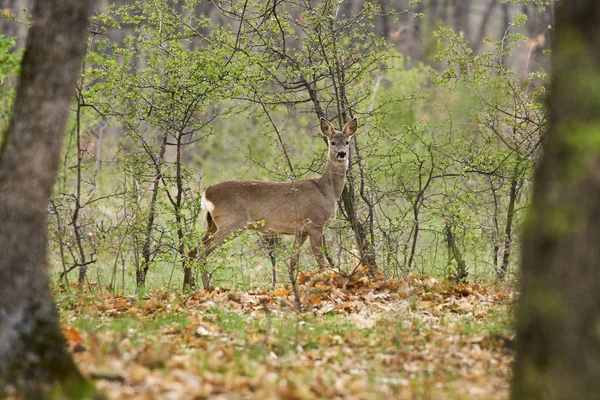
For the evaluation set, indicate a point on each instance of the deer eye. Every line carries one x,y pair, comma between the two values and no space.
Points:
333,143
347,142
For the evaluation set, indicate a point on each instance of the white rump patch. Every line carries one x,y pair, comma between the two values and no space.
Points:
206,204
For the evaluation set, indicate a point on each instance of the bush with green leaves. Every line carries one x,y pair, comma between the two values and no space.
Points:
467,162
440,166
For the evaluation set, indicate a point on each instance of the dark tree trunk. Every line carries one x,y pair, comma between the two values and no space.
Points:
481,32
461,18
496,233
510,216
189,282
415,236
142,271
7,27
461,272
558,346
75,217
33,354
367,255
384,25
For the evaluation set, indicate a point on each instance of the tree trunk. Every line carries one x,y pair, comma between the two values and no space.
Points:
483,25
510,215
496,232
33,354
75,217
367,256
558,346
461,18
142,271
461,272
415,232
189,282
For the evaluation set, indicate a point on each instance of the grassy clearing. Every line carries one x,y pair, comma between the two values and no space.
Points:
417,338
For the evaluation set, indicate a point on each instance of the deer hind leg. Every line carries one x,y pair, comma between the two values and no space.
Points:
224,231
196,254
216,234
316,243
211,228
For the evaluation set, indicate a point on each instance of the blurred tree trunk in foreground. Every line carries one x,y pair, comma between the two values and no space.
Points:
33,354
558,332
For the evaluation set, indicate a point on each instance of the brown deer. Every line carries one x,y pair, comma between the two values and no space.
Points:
301,208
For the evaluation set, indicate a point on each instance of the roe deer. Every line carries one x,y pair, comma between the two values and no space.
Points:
301,208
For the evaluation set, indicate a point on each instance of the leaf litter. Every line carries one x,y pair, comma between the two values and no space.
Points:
356,338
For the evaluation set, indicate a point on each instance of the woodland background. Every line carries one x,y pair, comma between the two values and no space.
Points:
177,95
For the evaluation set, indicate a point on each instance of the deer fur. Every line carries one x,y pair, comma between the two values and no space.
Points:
301,208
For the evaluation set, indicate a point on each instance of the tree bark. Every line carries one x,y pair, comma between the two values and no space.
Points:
461,272
33,355
510,215
365,249
142,271
558,342
461,18
478,40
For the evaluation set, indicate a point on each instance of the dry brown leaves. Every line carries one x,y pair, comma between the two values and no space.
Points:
356,338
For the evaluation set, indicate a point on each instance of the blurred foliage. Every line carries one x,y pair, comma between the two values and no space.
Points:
10,63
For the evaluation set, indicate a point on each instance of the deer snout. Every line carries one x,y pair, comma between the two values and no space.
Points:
341,154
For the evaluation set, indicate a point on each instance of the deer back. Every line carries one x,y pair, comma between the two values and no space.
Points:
270,207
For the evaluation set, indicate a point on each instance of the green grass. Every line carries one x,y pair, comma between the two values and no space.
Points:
303,352
136,328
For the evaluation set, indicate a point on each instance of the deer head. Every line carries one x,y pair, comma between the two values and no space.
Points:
338,141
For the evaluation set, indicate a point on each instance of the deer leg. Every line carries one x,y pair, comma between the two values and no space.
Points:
213,238
299,240
211,229
316,243
221,236
196,254
274,265
271,242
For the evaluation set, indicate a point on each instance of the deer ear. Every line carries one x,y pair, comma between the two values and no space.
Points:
327,128
350,128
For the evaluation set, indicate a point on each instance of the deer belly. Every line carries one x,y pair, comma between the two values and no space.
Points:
267,230
273,230
277,226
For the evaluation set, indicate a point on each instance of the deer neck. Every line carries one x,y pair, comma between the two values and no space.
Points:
333,177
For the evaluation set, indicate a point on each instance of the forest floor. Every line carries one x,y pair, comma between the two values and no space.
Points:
357,338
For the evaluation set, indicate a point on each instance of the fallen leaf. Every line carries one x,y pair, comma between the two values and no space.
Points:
281,292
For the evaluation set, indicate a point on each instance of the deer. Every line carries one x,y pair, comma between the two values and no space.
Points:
302,208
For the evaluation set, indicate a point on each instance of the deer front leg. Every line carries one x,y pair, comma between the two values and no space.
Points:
271,242
316,243
299,240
